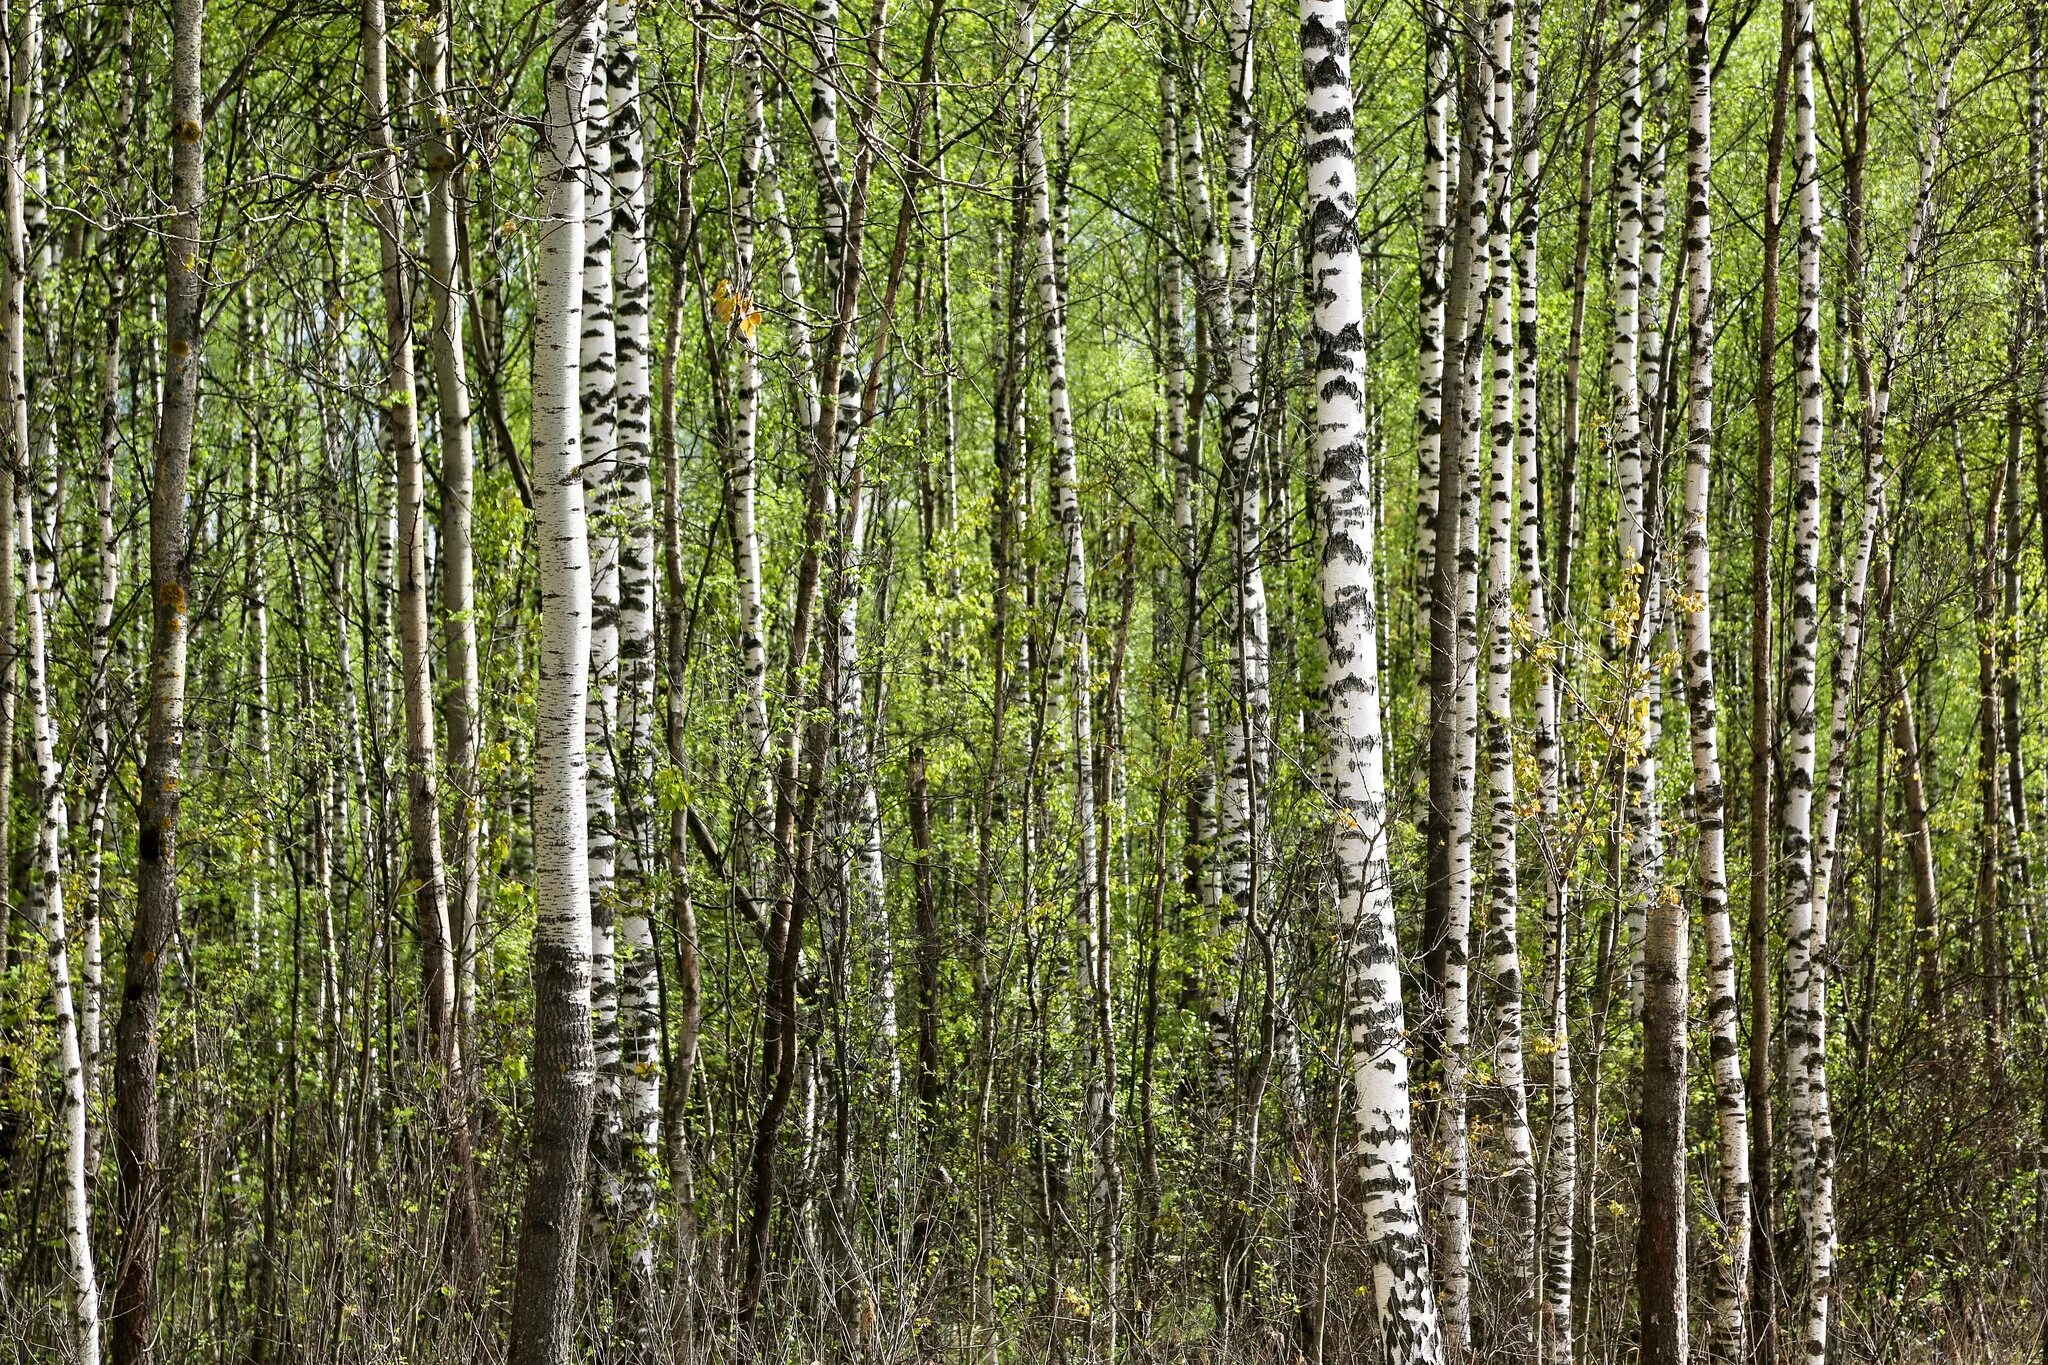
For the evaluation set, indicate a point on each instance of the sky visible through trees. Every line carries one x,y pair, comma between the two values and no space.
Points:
925,682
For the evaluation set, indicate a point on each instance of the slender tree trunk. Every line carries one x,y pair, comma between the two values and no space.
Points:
156,905
597,385
1556,1194
1802,1020
1438,153
24,55
564,1063
401,433
460,699
1455,692
1090,905
1763,1322
754,176
1566,541
1709,799
99,701
46,905
1502,938
1638,578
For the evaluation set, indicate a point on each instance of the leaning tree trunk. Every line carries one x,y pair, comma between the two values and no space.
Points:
46,906
543,1311
156,903
1376,1038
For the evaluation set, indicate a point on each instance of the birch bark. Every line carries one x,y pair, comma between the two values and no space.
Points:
564,1062
1404,1300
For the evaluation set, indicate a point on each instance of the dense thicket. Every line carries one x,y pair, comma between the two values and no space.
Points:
1235,682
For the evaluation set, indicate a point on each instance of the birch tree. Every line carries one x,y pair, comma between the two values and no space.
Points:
544,1296
1403,1297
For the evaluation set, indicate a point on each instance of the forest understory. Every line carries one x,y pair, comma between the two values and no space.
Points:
1085,682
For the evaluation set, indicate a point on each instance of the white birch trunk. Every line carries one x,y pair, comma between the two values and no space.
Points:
1376,1035
46,906
1456,996
564,1070
1438,154
639,1003
1709,803
1503,931
1560,1155
1803,1023
753,178
1248,725
598,392
1624,382
1182,454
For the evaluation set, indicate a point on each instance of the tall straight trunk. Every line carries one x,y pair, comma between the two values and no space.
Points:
564,1064
1248,730
1503,953
46,907
1458,561
1802,1036
1566,540
461,704
1213,332
1376,1038
597,387
1090,904
754,176
156,903
1556,1194
1661,1250
460,699
107,543
25,55
1763,1322
401,433
1991,892
99,702
857,805
1709,798
1227,819
1624,378
1438,152
1183,449
639,1018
